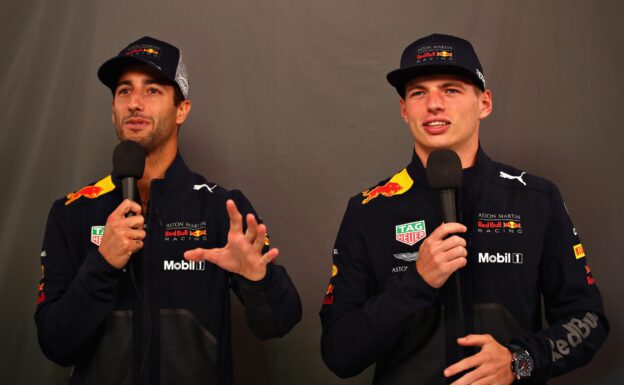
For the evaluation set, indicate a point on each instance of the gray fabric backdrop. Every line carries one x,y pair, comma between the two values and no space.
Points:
291,106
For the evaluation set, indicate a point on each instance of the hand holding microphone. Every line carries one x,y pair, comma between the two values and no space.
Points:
123,232
443,253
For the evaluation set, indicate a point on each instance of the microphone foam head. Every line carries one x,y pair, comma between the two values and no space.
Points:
128,160
444,170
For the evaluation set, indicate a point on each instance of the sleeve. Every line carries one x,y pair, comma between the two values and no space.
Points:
360,323
272,305
74,299
573,304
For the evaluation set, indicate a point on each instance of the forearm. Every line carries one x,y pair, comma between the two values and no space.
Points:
70,316
565,345
272,305
356,336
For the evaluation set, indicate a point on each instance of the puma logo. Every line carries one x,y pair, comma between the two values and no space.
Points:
200,186
507,176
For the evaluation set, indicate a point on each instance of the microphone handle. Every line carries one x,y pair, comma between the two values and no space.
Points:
449,214
128,187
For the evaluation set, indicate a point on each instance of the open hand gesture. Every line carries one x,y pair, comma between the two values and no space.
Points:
243,252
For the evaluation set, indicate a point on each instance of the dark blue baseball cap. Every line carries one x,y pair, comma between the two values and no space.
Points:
436,54
161,56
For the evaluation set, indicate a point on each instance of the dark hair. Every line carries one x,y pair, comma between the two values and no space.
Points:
177,96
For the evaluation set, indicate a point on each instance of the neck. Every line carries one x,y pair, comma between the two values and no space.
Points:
156,164
467,156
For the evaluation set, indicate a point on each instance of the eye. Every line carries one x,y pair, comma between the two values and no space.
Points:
452,91
123,91
153,90
415,93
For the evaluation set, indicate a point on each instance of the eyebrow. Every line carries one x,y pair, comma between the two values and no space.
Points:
443,85
147,82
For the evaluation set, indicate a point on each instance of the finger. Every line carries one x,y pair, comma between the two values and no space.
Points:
136,246
252,228
135,222
445,229
270,255
465,364
200,254
470,377
474,340
133,234
128,206
260,238
236,219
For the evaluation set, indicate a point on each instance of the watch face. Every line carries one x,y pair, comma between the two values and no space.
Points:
523,364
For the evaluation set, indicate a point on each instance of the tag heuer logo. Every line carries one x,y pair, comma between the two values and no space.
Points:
410,233
96,234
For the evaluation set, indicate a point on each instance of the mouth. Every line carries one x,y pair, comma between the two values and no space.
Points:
136,123
436,126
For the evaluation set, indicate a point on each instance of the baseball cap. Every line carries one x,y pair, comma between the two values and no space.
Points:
163,57
435,54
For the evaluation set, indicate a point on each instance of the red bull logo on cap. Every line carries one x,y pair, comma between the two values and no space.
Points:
102,187
397,185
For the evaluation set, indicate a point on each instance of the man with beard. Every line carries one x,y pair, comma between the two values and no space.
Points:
139,292
391,300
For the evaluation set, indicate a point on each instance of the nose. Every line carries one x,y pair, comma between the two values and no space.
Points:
435,101
135,102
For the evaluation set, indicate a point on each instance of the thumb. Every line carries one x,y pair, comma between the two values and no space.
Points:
198,254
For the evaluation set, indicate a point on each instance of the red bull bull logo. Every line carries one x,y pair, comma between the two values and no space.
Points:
398,184
91,192
149,50
197,233
512,225
329,295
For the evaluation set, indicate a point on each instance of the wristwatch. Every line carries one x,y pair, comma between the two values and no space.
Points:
521,362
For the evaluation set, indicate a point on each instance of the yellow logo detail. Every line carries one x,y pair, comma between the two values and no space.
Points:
100,188
397,185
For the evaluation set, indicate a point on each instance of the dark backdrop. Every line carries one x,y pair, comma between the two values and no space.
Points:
291,106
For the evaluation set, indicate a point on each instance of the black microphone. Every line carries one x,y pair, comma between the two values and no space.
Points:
444,174
128,165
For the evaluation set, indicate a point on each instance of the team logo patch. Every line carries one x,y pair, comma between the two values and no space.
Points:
407,257
397,185
588,275
186,231
96,234
40,288
329,295
410,233
507,223
579,252
144,50
436,52
91,192
505,258
504,175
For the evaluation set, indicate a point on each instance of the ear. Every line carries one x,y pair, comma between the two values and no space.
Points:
485,102
113,111
182,111
403,109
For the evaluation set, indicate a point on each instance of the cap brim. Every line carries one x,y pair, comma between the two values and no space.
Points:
109,72
400,77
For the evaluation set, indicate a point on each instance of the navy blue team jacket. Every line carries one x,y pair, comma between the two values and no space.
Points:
522,249
173,323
